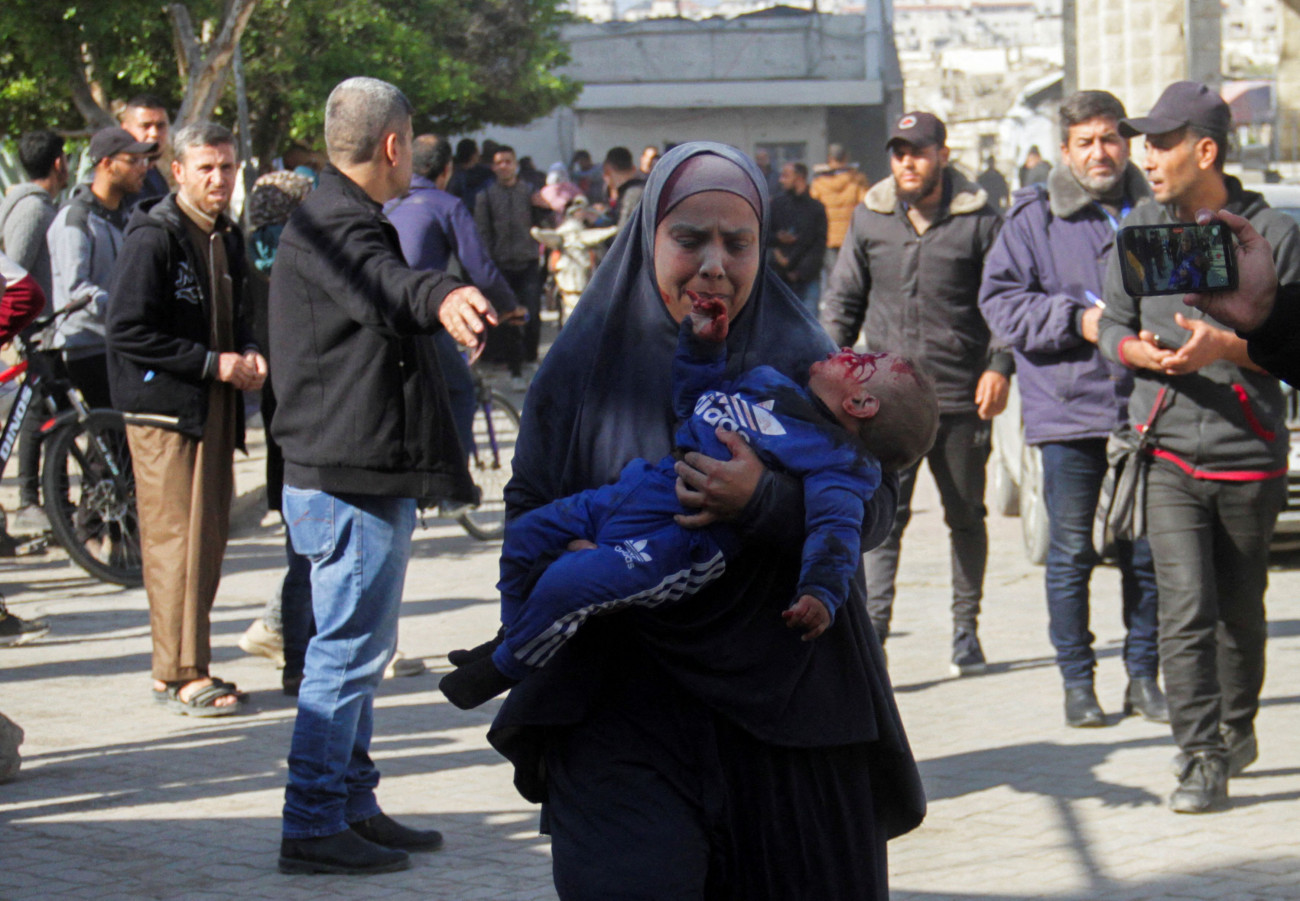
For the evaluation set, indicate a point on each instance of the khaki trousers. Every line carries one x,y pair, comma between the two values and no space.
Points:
184,488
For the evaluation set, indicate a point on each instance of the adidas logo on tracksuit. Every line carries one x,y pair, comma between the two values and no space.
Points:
735,413
633,552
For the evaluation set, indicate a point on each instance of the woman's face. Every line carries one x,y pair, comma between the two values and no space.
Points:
708,244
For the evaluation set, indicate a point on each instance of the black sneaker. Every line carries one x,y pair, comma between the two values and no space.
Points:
1203,785
967,655
16,630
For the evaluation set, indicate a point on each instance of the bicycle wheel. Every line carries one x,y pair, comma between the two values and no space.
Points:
496,429
89,490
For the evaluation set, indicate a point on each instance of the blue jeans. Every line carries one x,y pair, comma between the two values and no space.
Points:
1072,476
358,546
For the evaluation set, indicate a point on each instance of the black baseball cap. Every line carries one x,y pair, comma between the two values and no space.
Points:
108,141
919,130
1183,103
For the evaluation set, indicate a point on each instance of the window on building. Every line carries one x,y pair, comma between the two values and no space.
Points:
782,153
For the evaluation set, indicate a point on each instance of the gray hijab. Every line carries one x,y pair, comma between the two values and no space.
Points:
603,395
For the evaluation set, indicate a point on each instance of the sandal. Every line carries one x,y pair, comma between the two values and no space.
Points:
203,703
234,689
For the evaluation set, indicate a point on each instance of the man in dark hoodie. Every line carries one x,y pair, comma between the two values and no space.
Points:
1219,441
910,267
366,429
181,350
1041,295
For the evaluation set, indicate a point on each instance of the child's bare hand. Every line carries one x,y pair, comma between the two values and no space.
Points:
708,318
807,613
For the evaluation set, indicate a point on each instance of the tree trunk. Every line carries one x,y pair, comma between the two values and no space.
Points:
83,96
207,66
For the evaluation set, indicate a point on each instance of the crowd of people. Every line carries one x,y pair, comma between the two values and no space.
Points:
708,500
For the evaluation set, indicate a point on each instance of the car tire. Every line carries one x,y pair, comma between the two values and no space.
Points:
1033,506
1004,469
1006,493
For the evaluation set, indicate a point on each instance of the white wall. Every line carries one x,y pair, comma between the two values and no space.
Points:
598,130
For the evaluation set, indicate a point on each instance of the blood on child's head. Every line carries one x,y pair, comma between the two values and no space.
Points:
904,428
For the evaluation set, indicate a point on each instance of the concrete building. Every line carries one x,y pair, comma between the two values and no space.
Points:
594,10
1251,37
1135,48
930,26
781,79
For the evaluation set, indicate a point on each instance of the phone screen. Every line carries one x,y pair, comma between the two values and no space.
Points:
1177,258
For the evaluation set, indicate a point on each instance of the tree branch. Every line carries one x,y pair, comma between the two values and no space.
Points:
82,96
207,76
188,51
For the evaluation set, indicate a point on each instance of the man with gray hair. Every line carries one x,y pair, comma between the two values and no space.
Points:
1041,292
366,429
180,352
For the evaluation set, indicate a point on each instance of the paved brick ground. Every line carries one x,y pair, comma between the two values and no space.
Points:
120,800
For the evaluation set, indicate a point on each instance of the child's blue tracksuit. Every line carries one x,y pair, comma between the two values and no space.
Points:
642,556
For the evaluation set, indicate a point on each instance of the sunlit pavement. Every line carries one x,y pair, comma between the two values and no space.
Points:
120,799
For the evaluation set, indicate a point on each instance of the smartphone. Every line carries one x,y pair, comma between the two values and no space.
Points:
1177,258
1167,343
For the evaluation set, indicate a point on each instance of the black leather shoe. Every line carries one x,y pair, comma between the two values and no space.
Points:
1081,708
384,830
1143,696
1242,749
1203,785
346,853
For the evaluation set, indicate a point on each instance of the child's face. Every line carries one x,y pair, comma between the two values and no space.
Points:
844,382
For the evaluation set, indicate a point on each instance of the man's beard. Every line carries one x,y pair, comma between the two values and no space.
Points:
925,190
1099,185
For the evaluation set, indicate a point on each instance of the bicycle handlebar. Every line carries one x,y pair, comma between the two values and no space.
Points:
45,322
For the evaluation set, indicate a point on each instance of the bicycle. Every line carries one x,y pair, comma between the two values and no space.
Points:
86,475
496,429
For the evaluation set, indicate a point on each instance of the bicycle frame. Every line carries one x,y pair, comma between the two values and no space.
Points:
76,411
485,401
13,425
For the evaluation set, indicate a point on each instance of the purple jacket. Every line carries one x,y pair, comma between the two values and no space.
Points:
1052,252
435,228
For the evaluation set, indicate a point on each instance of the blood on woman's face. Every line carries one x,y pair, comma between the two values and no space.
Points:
709,245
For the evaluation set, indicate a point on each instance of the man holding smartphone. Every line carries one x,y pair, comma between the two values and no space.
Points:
1217,480
1040,295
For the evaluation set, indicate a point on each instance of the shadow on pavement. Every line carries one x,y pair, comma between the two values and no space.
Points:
1036,768
496,854
223,757
1267,880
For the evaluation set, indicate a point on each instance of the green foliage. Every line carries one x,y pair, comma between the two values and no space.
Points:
125,44
463,63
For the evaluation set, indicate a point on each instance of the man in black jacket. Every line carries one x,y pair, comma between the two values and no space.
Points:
910,267
180,351
366,429
799,225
